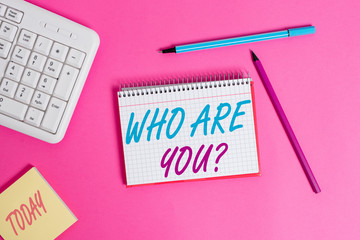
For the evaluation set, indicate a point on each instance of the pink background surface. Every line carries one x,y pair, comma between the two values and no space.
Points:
316,78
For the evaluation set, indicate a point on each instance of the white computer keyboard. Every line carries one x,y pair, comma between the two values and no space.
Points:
44,62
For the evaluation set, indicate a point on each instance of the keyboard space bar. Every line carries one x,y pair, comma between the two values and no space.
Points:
12,108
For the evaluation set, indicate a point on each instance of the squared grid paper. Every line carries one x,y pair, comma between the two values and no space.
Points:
143,159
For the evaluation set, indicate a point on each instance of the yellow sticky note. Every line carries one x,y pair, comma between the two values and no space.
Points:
31,209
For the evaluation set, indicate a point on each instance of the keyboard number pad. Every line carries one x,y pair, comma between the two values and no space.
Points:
66,82
14,71
40,76
30,78
8,88
24,94
47,84
20,55
75,58
43,45
27,39
40,100
37,61
53,68
59,52
34,117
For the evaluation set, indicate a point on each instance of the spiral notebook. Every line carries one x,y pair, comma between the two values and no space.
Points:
196,128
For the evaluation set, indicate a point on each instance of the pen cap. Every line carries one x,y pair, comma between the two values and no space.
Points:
301,31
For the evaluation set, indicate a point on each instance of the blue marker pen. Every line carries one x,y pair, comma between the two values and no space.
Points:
292,32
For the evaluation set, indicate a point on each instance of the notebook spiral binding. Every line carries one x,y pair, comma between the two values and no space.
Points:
183,84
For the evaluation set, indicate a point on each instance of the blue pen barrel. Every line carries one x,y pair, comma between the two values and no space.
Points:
292,32
232,41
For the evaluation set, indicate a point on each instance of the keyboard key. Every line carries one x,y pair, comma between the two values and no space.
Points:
59,52
34,117
14,71
24,94
2,10
53,115
66,82
40,100
8,88
30,78
47,84
14,15
8,31
37,61
53,68
75,58
12,108
43,45
4,48
20,55
27,39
